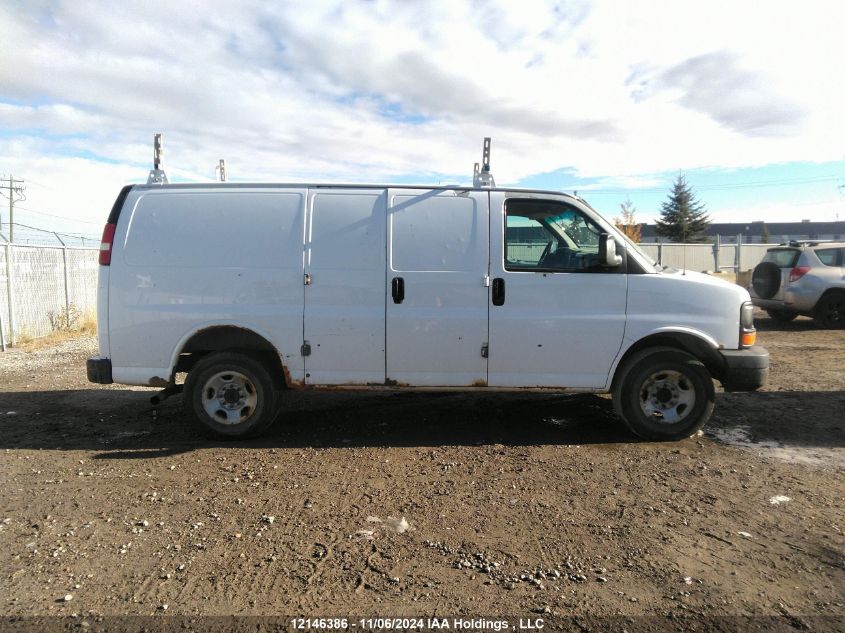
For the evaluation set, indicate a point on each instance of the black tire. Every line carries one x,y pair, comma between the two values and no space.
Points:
781,316
830,311
660,383
766,279
230,395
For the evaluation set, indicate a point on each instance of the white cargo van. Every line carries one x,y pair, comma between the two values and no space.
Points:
253,289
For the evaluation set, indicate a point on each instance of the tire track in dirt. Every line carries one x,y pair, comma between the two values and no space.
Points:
535,483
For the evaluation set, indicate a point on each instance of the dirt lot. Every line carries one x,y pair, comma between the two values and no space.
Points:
401,504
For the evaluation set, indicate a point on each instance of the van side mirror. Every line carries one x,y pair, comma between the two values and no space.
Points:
607,251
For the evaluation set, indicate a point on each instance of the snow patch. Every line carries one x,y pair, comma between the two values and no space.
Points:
740,436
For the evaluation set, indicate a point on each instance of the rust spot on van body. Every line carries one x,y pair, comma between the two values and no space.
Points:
296,385
157,381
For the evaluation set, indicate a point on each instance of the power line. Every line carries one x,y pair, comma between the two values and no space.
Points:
38,184
87,236
53,215
777,182
26,234
715,187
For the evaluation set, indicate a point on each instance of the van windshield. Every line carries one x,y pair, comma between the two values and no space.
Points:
573,225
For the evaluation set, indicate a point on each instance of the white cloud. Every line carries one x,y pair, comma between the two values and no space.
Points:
734,98
385,90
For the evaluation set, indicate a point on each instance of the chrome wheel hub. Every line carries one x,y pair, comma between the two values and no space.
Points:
229,397
667,397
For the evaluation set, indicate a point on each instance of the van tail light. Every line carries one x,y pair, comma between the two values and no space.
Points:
106,244
796,273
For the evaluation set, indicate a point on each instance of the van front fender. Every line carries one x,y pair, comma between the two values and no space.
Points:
690,340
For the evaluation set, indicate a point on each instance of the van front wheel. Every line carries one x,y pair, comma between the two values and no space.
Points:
230,395
664,394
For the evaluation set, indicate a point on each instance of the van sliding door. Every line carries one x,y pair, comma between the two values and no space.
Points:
438,250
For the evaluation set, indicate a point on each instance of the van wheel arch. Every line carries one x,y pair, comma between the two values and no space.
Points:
230,338
696,347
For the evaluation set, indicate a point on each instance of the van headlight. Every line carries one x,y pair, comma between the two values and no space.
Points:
747,332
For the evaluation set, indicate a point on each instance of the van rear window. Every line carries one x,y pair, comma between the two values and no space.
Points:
783,257
216,230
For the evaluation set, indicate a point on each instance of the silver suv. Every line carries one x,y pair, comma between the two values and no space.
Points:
802,278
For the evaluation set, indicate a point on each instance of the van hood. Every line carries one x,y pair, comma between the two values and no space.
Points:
703,278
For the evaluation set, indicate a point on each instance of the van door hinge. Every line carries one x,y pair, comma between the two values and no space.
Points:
486,281
485,350
305,350
306,279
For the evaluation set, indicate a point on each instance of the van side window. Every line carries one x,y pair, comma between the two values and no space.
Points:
542,235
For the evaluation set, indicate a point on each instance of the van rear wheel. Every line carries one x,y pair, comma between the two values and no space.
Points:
230,395
664,394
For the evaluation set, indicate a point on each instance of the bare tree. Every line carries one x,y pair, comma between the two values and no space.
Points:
627,223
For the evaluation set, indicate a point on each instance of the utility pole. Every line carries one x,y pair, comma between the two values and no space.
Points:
15,192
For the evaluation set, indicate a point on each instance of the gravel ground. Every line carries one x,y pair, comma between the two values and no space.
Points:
407,504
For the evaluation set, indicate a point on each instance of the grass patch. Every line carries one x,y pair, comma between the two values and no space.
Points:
67,324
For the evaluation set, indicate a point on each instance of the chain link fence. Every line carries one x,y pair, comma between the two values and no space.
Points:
707,257
45,289
698,257
54,288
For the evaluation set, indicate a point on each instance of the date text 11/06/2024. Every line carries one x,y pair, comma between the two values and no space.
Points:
416,624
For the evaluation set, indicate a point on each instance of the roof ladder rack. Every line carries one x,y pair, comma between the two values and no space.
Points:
483,177
157,175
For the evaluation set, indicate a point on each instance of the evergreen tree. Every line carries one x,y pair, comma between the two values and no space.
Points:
683,219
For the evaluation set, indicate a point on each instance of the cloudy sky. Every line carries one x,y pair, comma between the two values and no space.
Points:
608,98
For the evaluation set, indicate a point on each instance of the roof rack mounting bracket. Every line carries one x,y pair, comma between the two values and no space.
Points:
157,175
483,177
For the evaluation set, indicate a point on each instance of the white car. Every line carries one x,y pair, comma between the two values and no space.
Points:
252,289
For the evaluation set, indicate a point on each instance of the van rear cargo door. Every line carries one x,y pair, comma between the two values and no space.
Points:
438,246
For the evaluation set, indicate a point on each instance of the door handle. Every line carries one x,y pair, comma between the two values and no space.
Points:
397,287
498,291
